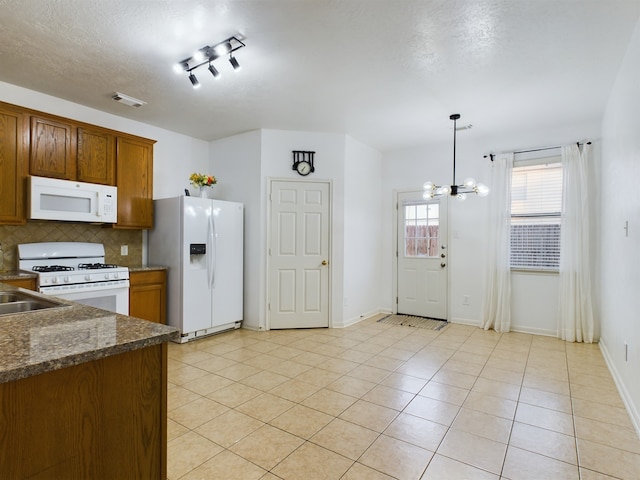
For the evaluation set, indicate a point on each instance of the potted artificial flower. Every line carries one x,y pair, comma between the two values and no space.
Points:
202,182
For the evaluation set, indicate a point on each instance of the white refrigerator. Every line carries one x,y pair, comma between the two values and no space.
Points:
201,242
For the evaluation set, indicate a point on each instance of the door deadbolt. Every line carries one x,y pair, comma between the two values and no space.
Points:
443,264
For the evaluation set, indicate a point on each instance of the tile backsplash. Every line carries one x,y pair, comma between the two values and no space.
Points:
43,231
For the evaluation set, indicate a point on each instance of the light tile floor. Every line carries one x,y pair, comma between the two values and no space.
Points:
375,401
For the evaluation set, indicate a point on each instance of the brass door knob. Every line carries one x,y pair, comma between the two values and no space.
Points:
324,262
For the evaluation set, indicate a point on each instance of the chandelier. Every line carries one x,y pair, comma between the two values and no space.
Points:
431,190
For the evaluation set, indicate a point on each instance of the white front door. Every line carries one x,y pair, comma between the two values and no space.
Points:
422,256
299,255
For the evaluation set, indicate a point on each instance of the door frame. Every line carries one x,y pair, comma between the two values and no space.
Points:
270,181
395,252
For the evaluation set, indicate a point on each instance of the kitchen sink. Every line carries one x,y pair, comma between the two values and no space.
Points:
19,302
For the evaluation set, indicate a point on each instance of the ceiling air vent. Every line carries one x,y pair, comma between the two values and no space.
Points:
127,100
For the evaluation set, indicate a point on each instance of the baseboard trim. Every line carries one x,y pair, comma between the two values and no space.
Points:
358,319
622,389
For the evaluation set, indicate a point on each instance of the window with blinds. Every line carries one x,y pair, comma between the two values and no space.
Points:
536,208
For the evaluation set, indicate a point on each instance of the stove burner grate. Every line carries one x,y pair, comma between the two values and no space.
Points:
95,266
51,268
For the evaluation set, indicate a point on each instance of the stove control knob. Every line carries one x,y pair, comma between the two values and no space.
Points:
67,279
116,275
87,278
106,276
54,280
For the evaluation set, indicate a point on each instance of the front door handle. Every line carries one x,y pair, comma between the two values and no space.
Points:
443,265
324,262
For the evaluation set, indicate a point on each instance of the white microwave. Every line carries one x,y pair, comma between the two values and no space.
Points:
55,199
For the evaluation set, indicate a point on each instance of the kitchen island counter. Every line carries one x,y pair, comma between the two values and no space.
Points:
36,342
83,394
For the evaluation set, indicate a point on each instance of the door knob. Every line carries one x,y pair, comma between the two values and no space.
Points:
442,255
443,264
324,262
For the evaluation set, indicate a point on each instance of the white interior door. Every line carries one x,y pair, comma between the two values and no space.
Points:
422,256
299,255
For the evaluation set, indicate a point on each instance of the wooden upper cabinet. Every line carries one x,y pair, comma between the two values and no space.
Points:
14,135
134,178
96,156
53,148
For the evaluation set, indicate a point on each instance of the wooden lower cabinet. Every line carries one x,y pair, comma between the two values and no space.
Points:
103,419
148,295
28,283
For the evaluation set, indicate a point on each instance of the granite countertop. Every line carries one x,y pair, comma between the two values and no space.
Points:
40,341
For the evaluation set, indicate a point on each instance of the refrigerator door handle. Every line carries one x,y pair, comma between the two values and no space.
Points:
212,257
211,236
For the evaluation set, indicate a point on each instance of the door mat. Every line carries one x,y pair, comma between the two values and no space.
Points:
413,321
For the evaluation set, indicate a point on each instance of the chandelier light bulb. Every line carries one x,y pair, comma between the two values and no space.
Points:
428,186
445,190
469,182
427,194
482,190
462,197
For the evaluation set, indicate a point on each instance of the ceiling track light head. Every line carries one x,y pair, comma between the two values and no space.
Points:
234,63
214,71
194,80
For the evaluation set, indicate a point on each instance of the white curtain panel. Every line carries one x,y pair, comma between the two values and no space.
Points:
497,305
575,318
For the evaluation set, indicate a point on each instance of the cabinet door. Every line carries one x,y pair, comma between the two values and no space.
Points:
13,148
148,296
53,148
96,157
134,179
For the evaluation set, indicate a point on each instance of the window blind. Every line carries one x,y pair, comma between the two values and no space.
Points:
536,209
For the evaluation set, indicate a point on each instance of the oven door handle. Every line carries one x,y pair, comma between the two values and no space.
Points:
211,256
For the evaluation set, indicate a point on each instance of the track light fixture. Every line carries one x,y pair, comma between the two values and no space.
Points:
206,55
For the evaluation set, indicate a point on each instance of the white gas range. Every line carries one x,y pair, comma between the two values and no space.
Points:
77,271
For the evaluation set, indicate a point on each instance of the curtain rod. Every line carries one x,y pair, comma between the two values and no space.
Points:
491,155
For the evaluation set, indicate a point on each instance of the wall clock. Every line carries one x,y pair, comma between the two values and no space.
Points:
303,162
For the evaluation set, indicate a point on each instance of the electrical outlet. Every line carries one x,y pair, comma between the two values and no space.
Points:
465,299
124,250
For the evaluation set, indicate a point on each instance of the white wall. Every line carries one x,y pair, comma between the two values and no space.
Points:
620,265
175,156
534,297
245,165
362,232
329,159
236,163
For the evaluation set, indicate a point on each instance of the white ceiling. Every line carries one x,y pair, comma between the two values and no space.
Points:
387,72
